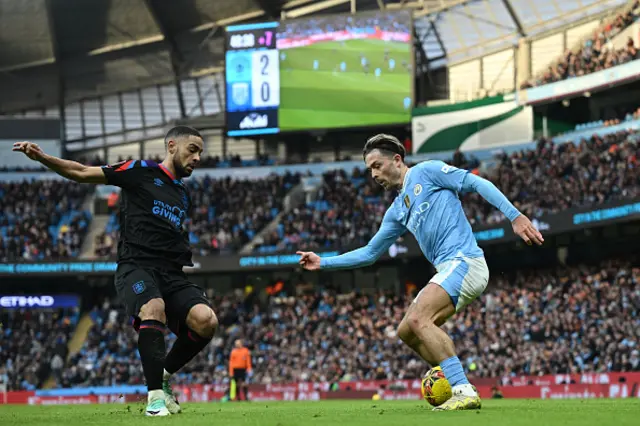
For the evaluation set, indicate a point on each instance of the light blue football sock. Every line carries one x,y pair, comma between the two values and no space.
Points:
454,372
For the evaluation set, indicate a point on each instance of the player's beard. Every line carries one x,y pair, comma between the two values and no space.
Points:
180,169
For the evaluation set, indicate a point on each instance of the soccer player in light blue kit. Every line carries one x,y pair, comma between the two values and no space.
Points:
428,206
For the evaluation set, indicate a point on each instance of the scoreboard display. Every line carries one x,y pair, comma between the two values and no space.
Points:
324,72
252,70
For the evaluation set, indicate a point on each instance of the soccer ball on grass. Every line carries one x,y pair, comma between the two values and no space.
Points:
436,389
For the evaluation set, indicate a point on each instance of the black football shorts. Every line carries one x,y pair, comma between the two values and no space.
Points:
136,285
240,374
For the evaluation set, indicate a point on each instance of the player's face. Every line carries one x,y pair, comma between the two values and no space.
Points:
187,155
385,169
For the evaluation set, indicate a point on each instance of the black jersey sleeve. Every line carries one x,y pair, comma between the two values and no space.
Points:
125,174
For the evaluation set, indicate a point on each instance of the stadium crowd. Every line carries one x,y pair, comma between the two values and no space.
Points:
347,211
42,219
595,54
33,345
217,222
550,178
554,177
572,319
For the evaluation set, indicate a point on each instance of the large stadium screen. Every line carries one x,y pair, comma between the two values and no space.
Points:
323,72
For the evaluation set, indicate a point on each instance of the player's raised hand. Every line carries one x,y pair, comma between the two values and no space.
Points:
30,149
523,227
309,260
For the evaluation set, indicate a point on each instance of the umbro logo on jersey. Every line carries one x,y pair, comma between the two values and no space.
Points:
158,182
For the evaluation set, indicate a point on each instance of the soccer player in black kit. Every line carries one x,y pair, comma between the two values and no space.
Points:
152,251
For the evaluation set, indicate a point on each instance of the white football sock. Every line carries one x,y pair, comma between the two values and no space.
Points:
154,395
466,390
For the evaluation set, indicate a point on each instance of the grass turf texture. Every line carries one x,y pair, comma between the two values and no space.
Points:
596,412
328,97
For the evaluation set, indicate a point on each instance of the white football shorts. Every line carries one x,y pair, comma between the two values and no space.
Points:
463,278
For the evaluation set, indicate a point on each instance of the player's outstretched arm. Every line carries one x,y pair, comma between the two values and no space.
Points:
457,180
389,231
66,168
522,226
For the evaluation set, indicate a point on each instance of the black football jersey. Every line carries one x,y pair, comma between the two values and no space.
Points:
153,208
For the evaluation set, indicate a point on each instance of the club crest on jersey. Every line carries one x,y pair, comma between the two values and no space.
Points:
139,287
158,182
417,189
407,202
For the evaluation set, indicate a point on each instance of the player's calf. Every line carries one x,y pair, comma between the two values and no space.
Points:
430,309
152,350
420,325
201,324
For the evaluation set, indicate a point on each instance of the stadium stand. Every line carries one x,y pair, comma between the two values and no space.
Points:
345,212
42,219
554,177
522,326
33,344
595,54
549,178
632,115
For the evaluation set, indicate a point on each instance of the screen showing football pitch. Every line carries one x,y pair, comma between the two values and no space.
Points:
345,71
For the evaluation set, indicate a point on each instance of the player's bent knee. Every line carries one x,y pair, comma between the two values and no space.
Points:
153,310
202,320
417,320
405,333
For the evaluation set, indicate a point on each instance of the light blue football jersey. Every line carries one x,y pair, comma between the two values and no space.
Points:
428,206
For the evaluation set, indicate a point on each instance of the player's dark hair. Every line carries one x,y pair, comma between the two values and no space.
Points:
384,143
180,132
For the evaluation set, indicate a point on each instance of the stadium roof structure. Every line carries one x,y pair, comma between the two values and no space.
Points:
55,50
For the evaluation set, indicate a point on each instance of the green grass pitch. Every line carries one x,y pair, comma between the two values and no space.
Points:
328,97
592,412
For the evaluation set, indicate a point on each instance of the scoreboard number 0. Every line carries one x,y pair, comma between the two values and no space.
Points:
265,92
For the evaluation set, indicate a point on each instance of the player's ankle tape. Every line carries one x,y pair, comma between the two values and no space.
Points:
153,324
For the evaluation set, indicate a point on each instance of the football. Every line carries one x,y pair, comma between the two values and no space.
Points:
435,387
